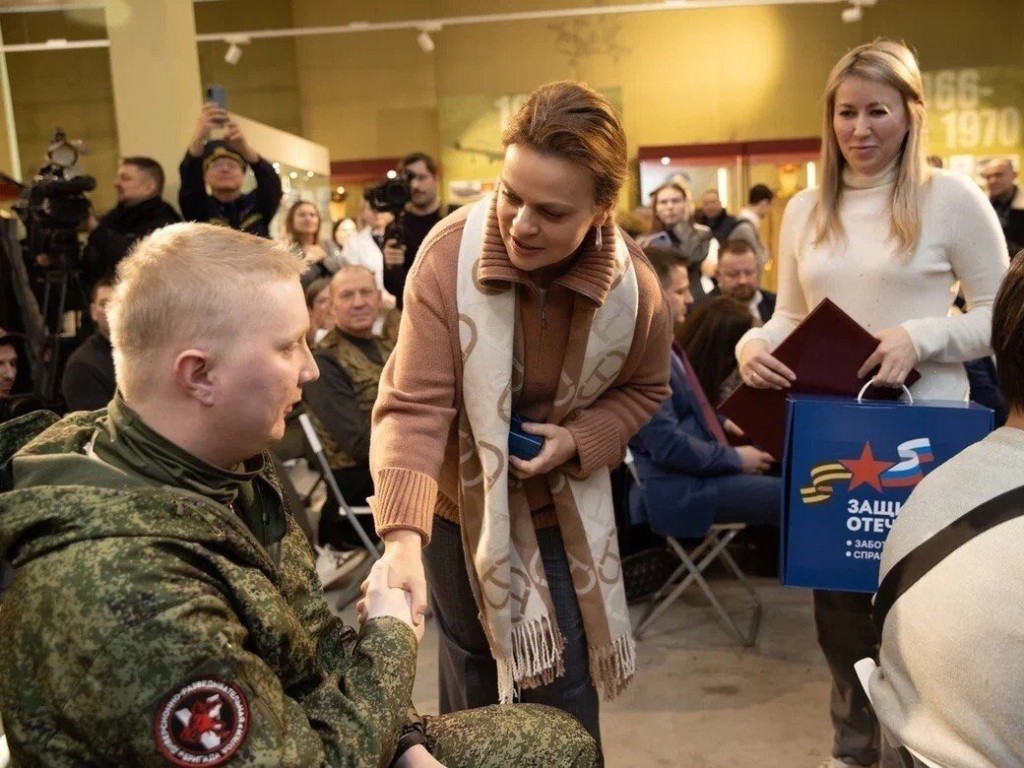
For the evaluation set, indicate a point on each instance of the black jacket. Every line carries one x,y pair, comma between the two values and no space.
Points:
88,382
121,228
765,307
250,213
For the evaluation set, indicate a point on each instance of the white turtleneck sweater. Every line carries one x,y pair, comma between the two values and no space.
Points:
880,288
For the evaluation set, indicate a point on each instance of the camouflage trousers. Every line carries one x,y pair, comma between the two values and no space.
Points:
520,735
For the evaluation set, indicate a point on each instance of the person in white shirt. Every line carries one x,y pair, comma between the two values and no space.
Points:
885,237
363,249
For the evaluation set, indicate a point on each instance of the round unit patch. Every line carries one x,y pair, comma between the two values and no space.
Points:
202,723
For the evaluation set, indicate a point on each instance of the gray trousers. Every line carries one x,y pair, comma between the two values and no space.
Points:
846,634
468,673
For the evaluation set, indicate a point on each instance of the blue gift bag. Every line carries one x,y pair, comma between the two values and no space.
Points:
848,468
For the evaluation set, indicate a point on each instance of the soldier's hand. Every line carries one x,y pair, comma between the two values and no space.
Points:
382,600
394,254
417,757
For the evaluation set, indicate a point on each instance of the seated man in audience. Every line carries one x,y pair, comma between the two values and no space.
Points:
221,165
88,381
350,358
140,210
692,476
8,374
739,277
164,608
949,682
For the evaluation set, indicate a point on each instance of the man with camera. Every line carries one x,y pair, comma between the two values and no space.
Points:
140,210
422,212
164,607
220,165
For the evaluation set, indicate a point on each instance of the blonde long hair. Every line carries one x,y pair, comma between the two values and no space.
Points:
893,64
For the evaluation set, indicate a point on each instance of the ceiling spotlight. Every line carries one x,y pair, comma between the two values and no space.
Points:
234,52
425,41
852,15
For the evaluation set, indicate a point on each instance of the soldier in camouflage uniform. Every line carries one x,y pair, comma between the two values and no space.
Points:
165,610
350,358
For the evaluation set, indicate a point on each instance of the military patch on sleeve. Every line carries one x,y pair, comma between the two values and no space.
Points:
202,723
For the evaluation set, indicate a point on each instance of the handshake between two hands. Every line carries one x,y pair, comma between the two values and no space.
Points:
396,587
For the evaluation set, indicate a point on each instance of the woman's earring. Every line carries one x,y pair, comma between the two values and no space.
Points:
598,241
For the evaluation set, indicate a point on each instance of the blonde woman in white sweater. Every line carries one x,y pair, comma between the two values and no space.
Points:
885,237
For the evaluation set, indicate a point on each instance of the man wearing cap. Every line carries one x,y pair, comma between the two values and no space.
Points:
220,166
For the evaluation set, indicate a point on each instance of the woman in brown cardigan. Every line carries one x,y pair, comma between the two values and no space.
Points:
530,302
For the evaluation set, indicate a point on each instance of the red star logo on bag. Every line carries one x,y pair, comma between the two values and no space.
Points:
202,723
866,470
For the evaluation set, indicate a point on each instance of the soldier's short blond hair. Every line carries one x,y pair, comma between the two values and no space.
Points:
188,285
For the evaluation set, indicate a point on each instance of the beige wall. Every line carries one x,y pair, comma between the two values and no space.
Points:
684,76
73,89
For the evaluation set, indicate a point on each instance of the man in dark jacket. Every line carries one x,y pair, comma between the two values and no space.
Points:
88,382
140,209
164,608
220,166
713,215
692,477
738,275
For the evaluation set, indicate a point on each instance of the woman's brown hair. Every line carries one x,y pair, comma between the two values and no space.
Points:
574,122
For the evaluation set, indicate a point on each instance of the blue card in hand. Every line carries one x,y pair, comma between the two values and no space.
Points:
521,444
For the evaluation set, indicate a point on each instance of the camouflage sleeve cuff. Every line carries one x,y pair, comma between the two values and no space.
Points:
405,499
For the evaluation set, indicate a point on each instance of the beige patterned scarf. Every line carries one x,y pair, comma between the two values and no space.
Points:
503,556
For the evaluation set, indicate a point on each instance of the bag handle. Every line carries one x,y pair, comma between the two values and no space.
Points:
860,395
920,560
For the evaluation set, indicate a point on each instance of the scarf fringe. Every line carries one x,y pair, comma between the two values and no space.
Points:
536,659
612,666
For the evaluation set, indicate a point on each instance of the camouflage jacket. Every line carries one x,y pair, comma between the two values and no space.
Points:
147,626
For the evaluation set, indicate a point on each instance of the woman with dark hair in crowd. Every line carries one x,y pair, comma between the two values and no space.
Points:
672,226
709,336
886,237
302,235
530,303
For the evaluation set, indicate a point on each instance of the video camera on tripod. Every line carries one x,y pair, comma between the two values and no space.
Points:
53,209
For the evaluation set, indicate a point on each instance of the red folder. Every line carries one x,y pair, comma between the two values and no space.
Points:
825,352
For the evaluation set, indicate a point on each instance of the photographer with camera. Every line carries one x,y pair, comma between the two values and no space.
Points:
140,210
422,211
220,165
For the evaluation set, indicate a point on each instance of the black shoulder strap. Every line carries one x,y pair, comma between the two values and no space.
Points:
930,553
